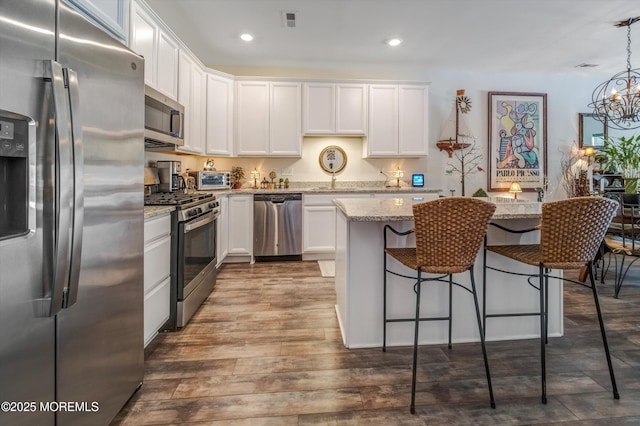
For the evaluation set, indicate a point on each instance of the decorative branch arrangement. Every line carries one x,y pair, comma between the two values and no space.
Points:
574,179
468,162
463,144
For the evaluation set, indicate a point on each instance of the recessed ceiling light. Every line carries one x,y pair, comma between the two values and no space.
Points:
246,37
394,42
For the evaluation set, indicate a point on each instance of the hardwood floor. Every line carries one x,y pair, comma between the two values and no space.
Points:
265,349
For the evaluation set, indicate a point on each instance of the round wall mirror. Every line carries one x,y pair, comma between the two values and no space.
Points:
333,159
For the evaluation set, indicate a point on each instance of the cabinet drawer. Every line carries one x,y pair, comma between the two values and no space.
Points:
156,227
157,262
156,309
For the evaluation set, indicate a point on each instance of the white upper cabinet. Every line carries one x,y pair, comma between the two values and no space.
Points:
285,119
413,112
219,115
144,36
252,113
398,121
159,49
334,109
167,68
192,95
268,119
110,15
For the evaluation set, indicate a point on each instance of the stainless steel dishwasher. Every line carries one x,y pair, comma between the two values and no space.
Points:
277,226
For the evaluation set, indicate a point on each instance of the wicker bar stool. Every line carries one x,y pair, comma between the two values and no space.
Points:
449,232
623,238
571,232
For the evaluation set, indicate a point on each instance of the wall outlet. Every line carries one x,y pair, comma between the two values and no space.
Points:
288,171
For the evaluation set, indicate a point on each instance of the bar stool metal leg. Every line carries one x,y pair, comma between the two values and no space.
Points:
482,341
415,344
603,332
543,328
450,306
384,303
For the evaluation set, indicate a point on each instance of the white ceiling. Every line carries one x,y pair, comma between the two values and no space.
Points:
343,36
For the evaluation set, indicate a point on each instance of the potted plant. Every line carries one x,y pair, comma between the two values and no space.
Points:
237,175
623,156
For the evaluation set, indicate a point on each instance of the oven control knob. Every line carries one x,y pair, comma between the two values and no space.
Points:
192,212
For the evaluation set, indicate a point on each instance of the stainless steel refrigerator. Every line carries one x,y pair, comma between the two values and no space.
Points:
71,218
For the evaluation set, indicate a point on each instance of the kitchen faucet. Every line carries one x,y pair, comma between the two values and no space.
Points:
333,180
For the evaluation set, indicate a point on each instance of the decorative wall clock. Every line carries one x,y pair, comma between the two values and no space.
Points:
333,159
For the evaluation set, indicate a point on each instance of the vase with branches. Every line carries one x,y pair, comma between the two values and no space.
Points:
468,162
571,168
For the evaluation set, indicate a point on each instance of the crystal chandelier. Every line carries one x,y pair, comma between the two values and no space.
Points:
616,102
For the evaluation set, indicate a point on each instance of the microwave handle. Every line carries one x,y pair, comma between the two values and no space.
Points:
176,125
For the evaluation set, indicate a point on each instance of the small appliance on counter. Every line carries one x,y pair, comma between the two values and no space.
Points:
210,179
417,180
170,174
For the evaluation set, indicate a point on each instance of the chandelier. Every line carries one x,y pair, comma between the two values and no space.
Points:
616,102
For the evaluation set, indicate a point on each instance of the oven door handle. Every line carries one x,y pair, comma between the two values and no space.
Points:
208,218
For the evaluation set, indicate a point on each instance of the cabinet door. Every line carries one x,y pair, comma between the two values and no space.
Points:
412,120
198,109
285,122
222,231
351,109
319,229
167,67
191,94
241,224
111,15
185,66
144,37
252,133
382,138
219,115
319,111
157,274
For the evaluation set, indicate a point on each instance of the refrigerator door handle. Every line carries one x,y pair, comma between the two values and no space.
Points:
71,81
63,184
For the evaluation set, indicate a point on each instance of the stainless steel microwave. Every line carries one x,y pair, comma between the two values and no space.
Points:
163,121
209,179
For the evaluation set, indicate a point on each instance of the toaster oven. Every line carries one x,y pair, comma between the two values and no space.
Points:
209,179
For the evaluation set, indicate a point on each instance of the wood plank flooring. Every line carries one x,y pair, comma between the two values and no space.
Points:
265,349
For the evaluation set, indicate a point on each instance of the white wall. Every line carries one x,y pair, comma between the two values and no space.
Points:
566,97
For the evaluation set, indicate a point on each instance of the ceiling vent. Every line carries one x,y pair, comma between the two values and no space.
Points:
585,65
289,19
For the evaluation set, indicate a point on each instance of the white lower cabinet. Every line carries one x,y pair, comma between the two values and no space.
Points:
240,228
222,231
157,274
319,224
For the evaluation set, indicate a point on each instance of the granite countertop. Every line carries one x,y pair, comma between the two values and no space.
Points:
400,208
324,188
152,211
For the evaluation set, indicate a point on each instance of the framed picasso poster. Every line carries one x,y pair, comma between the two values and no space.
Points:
517,140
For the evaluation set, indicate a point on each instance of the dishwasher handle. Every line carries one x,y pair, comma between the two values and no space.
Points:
277,198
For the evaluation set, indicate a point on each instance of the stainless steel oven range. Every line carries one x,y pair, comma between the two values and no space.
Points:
193,251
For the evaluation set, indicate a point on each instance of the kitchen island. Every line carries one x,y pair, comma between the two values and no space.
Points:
359,275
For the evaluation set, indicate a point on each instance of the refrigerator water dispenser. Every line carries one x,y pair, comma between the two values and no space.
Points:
14,176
